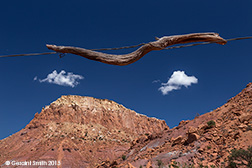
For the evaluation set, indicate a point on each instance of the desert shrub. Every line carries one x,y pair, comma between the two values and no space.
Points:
202,166
160,163
191,166
123,157
179,165
211,123
240,157
175,165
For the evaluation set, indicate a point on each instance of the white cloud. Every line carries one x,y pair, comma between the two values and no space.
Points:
176,81
62,78
156,81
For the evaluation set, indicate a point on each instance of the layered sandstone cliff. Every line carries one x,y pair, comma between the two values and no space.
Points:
79,132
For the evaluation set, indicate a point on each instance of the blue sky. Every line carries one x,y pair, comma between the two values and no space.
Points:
26,26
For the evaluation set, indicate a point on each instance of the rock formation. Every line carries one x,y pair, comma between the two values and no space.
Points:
206,140
88,132
78,132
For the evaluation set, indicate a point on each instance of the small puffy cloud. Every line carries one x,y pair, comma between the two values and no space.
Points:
176,81
156,81
62,78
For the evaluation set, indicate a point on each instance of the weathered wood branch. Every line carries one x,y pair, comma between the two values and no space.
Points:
126,59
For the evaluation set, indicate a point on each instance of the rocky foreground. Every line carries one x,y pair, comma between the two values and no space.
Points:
88,132
206,140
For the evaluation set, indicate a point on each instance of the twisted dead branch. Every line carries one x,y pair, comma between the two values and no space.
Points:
132,57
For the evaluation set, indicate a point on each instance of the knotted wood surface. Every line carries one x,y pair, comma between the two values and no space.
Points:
125,59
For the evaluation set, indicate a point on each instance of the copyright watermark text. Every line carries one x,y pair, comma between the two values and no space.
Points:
33,163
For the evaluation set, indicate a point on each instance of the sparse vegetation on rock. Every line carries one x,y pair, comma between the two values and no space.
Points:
240,157
123,157
160,164
211,123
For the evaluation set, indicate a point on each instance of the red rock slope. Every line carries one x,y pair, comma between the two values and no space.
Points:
78,132
195,141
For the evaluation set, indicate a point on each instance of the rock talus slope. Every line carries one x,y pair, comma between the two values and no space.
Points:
78,132
198,141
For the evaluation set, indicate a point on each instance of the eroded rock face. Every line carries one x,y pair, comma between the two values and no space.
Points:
87,110
79,132
198,141
89,132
